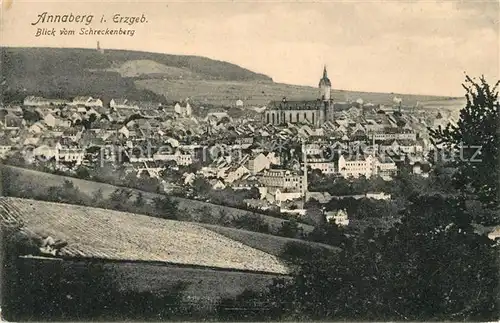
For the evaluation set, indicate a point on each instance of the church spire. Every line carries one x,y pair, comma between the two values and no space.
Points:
324,81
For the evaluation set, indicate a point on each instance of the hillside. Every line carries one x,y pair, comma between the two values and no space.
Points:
36,182
107,234
70,72
56,72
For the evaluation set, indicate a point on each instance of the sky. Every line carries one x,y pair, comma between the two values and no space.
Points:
420,47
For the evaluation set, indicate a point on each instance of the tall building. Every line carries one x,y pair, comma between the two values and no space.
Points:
313,112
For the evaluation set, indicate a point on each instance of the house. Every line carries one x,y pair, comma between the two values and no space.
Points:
283,195
394,134
385,167
31,141
421,168
313,149
273,157
339,217
282,179
185,111
321,197
149,167
180,157
49,120
217,184
121,104
124,131
378,196
401,146
37,128
189,178
235,173
91,111
76,117
356,166
293,207
36,101
45,151
325,165
13,122
86,101
258,163
63,123
5,147
69,154
258,204
73,134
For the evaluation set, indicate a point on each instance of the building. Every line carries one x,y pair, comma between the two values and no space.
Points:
314,112
36,101
185,111
325,165
356,166
339,217
385,167
258,163
5,147
282,178
67,154
180,157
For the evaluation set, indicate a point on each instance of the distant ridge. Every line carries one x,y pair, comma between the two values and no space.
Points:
78,59
136,75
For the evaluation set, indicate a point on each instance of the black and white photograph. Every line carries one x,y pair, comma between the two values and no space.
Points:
249,160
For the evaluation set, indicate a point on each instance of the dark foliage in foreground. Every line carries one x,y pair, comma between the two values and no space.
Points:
433,265
55,290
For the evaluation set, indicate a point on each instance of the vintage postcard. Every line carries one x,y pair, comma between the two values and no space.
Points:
249,160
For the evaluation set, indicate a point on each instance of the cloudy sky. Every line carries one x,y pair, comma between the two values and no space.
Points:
385,46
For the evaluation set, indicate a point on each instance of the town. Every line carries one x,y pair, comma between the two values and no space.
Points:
279,152
241,161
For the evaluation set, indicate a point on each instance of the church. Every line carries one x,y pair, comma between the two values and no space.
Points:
314,112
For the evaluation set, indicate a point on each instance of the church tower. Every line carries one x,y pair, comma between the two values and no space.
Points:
325,86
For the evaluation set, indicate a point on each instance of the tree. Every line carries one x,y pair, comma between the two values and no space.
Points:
205,215
166,207
251,222
201,186
31,116
82,172
433,265
290,229
97,197
139,200
314,212
223,218
328,233
474,141
120,198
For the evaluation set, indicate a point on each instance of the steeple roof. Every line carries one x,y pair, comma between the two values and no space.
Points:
325,81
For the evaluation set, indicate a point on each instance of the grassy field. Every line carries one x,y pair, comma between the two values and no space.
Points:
39,182
99,233
203,287
257,93
268,243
